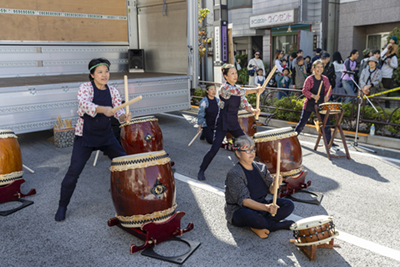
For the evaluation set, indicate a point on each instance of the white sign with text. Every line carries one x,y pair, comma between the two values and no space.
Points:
272,19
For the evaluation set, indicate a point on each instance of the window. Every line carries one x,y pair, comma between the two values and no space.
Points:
377,41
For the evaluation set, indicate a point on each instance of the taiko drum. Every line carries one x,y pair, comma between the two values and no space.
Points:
247,123
143,188
10,158
267,150
141,135
314,230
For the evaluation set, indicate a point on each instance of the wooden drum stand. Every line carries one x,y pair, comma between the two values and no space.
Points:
338,127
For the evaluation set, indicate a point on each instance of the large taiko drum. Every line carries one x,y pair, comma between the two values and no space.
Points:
141,135
247,123
143,188
314,230
10,158
267,150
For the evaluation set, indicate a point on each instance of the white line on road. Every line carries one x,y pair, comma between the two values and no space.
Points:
362,243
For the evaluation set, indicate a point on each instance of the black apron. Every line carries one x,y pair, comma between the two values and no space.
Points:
229,114
314,90
97,130
211,113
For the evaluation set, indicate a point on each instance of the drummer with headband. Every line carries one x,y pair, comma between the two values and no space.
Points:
93,129
208,111
311,88
246,186
232,97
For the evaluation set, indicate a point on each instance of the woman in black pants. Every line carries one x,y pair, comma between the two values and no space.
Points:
232,97
93,129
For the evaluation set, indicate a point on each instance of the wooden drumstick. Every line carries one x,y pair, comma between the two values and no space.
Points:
278,170
330,87
126,93
194,138
271,73
319,89
258,102
29,169
127,103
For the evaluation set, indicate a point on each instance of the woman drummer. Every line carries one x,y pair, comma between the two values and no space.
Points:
232,97
246,187
208,111
310,91
93,129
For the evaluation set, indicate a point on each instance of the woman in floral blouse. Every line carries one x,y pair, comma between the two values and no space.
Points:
93,129
232,97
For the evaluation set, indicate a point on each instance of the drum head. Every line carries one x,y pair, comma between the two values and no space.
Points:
139,120
276,134
7,133
310,222
141,160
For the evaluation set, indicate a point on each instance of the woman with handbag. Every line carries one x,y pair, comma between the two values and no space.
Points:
253,66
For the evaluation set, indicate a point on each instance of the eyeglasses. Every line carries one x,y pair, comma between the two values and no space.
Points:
257,54
249,150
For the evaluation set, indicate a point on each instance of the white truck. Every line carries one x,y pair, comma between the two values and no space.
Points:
45,48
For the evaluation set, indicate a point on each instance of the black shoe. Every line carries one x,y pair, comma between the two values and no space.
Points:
200,176
60,215
336,145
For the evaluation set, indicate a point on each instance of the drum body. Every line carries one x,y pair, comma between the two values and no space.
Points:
267,150
10,158
247,123
141,135
334,108
142,188
314,230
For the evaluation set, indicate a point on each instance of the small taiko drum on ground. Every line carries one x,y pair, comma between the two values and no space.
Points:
334,108
10,158
247,123
141,135
143,188
314,230
291,156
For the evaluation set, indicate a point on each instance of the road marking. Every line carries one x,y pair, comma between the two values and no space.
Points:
362,243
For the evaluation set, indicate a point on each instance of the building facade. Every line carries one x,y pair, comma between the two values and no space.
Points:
288,25
366,24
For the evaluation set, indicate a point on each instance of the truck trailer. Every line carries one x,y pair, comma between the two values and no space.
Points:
45,48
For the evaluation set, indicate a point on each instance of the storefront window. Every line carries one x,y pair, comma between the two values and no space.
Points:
377,41
286,43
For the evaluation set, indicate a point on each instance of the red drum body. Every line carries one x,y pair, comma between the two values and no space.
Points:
10,158
141,135
291,156
143,188
247,123
334,108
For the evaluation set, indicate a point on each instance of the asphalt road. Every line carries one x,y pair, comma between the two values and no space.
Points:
360,193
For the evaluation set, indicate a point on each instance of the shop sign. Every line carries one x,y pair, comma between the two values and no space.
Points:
272,19
217,44
315,42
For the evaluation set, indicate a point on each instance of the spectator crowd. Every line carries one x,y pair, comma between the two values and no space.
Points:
372,74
